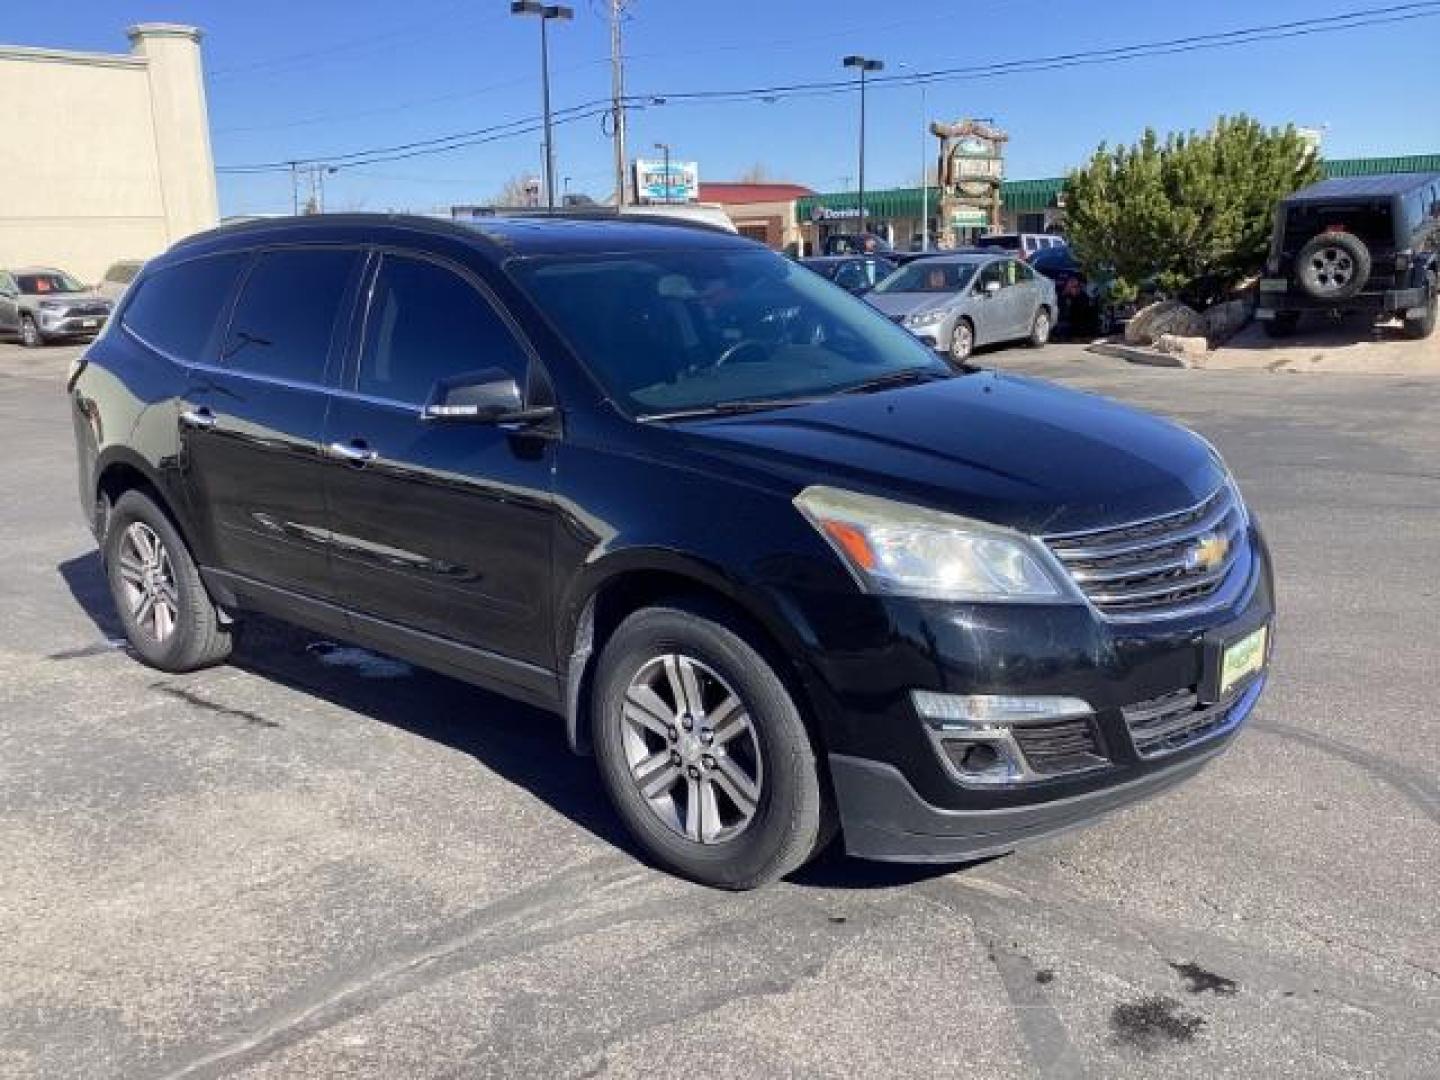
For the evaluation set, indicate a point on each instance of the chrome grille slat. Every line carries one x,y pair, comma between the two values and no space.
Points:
1145,569
1152,539
1175,721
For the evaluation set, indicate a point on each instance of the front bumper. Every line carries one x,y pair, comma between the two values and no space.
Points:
886,819
53,325
900,797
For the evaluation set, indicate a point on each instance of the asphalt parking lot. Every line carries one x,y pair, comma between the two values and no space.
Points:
313,862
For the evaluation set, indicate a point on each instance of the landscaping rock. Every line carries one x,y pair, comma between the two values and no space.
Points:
1190,350
1224,321
1163,317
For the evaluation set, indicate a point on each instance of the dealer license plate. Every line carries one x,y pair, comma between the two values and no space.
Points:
1242,658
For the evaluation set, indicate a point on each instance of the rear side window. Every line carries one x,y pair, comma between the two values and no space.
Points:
177,309
286,316
427,323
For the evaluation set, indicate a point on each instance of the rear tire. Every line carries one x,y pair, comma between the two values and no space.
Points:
703,751
169,618
1282,325
1424,326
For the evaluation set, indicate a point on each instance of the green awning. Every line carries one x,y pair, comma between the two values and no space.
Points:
891,203
1032,196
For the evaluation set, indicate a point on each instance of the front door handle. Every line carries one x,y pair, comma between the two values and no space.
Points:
198,418
355,452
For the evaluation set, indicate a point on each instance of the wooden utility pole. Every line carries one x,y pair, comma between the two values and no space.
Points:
617,102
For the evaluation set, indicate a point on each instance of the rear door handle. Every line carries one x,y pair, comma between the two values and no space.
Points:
198,418
355,452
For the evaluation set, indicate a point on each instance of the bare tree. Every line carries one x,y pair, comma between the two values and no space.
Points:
758,173
521,189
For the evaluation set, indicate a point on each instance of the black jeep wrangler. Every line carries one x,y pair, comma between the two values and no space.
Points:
1366,243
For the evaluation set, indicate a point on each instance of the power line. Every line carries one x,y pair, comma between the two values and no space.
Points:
1389,14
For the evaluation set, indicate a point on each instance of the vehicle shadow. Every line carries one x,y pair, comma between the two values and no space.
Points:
1319,330
525,746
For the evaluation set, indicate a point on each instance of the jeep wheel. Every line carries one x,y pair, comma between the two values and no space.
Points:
1424,326
703,751
1282,325
1333,266
169,618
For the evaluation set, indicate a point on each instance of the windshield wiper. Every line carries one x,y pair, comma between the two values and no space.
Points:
907,377
734,408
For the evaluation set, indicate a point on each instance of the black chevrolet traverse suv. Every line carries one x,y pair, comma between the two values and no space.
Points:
779,567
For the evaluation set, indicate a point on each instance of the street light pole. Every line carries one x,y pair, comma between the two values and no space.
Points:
924,178
546,13
866,66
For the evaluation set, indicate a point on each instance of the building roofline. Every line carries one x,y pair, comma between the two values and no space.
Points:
43,55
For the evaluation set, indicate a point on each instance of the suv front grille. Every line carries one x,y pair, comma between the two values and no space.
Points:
1174,721
1060,746
1150,569
87,311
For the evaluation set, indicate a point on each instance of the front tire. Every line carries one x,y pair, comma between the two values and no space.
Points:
703,751
1040,329
30,335
962,341
169,618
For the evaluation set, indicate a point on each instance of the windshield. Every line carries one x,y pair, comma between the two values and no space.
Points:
52,281
928,276
674,331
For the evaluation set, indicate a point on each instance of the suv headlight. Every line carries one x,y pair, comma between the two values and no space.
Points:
926,318
903,550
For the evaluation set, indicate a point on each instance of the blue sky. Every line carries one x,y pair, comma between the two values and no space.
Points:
310,78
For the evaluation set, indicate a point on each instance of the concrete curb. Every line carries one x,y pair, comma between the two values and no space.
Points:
1137,354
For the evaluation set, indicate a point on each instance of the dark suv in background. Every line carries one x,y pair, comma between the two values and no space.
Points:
780,567
1369,244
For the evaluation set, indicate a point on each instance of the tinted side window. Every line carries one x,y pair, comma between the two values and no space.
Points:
177,309
851,275
427,323
286,316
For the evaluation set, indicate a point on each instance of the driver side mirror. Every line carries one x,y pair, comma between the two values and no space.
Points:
991,288
489,396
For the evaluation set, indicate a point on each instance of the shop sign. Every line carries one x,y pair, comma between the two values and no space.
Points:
653,184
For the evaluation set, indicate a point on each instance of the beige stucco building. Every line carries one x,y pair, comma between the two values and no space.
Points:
105,156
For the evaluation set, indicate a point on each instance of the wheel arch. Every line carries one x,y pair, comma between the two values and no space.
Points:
119,470
634,580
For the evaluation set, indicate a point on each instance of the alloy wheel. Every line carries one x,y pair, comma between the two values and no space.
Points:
962,341
1040,333
692,749
29,333
1332,269
148,581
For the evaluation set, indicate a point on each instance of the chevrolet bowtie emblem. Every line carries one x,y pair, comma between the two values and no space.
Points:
1207,553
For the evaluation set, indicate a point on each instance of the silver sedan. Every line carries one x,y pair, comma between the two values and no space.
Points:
955,302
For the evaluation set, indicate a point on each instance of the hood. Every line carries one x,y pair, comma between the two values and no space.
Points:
1000,448
907,303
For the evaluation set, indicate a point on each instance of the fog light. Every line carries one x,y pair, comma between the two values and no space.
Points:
958,712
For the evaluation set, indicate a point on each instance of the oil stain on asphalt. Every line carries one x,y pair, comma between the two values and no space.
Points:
1200,981
1153,1022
